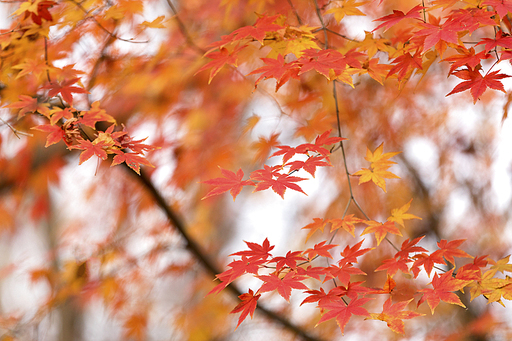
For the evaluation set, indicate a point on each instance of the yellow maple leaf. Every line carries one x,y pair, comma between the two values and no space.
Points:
378,168
501,265
398,215
348,7
377,176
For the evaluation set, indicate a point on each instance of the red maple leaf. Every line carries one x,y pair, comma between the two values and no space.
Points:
220,58
466,57
320,296
283,285
229,182
29,104
247,306
97,147
476,83
404,64
320,249
323,61
392,265
450,249
501,39
471,19
313,272
42,12
350,254
343,312
93,115
428,262
394,314
502,7
66,89
256,251
289,260
435,34
133,160
391,20
278,69
409,246
259,30
238,268
309,165
342,272
268,177
56,133
443,287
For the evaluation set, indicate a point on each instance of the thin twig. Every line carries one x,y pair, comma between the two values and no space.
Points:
184,30
106,30
295,12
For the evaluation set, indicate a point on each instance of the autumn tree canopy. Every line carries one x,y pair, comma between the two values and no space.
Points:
221,170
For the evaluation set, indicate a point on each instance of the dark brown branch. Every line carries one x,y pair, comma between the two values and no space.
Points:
205,261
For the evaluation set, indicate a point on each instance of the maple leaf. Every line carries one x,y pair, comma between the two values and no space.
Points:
501,39
502,265
381,229
320,249
279,184
348,7
263,147
391,20
29,104
378,168
398,214
405,64
89,148
313,272
346,223
466,57
476,83
133,160
320,296
450,250
36,10
247,306
409,246
278,69
289,260
256,251
428,262
93,115
342,272
394,314
435,34
471,19
259,30
443,287
343,312
57,115
65,88
317,224
501,7
56,133
31,66
350,254
392,265
283,285
323,61
377,71
229,182
309,165
221,58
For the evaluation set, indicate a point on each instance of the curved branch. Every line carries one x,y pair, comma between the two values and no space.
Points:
205,261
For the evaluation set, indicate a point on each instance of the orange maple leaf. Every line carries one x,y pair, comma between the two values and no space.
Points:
381,229
394,314
443,287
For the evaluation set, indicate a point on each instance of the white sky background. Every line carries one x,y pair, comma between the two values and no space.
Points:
265,214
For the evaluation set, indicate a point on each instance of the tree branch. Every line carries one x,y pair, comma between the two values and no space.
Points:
204,260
